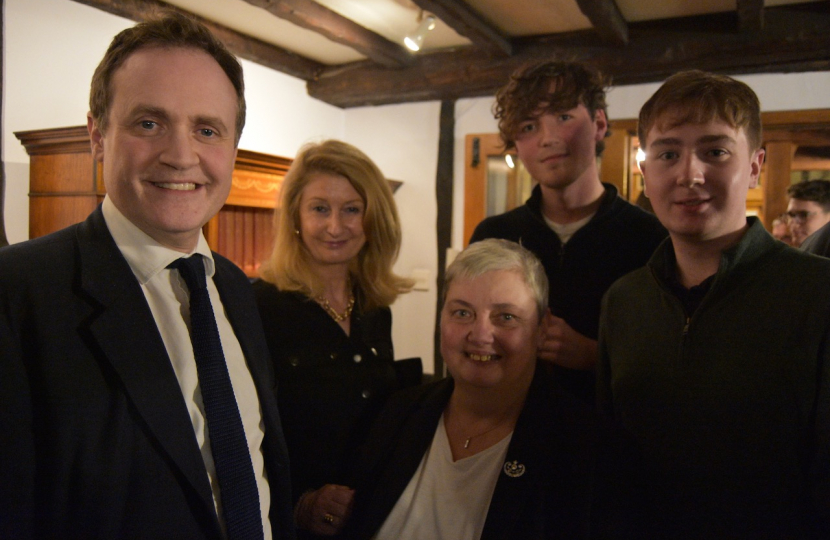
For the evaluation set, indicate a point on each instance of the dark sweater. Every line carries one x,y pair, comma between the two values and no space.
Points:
730,407
619,238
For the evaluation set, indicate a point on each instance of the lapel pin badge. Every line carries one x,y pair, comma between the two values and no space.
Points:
513,469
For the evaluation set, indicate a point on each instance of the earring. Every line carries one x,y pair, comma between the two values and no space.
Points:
297,232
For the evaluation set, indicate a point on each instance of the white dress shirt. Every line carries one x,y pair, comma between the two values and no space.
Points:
168,298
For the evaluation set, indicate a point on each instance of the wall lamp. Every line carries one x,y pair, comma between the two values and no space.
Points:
414,40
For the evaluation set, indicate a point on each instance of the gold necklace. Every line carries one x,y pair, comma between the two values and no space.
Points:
500,422
324,303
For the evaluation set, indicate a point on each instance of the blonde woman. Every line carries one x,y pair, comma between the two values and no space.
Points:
324,299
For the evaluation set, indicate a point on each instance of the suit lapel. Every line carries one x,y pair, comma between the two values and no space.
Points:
125,331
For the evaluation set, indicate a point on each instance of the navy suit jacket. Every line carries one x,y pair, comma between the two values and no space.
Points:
95,437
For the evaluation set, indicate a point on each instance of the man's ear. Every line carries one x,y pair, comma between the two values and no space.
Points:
601,121
96,138
642,166
755,167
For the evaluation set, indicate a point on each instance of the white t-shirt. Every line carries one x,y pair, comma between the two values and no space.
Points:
565,230
446,499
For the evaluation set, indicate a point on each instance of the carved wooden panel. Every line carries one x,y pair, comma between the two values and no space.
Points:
65,186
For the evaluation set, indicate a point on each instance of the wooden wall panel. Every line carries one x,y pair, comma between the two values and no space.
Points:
66,185
245,236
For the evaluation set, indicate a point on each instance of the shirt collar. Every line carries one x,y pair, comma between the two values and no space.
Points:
146,256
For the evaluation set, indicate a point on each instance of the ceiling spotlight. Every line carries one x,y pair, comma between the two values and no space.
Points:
414,40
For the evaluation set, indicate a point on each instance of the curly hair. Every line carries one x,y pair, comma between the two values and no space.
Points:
530,88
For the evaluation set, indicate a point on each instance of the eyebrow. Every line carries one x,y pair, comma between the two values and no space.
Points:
212,121
706,139
503,305
324,199
141,110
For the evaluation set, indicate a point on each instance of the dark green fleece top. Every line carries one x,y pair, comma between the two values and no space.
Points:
730,407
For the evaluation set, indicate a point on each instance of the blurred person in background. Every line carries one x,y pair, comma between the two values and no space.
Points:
809,216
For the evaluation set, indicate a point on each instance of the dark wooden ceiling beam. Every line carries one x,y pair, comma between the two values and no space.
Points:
751,16
457,15
330,24
241,45
607,19
794,40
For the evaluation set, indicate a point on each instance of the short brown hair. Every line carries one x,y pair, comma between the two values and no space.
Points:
529,87
817,191
288,265
167,29
698,97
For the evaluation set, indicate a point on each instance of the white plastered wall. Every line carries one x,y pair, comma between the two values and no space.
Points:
52,47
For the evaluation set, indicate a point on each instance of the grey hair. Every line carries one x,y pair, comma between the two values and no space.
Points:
495,254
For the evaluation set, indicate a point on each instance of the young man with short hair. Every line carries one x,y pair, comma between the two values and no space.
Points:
809,216
729,406
554,115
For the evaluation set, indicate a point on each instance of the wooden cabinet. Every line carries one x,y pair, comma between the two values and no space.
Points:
65,186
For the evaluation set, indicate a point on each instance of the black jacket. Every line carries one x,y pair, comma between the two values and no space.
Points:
553,443
619,238
331,386
96,439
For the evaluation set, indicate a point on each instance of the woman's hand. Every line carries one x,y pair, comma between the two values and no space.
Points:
324,511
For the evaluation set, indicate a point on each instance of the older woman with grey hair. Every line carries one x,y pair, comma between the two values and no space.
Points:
495,451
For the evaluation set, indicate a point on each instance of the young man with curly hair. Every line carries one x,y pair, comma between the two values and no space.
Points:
587,237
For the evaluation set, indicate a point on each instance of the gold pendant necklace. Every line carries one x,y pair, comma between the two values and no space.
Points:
324,303
467,442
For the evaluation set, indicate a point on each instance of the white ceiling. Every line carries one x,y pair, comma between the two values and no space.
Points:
393,19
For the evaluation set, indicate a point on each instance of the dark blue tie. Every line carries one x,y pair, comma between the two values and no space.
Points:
237,485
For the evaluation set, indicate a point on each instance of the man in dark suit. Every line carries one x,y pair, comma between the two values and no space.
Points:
105,420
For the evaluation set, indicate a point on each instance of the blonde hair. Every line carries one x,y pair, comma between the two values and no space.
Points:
288,266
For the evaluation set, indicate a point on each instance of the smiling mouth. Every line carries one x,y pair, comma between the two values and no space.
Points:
482,357
177,186
693,203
